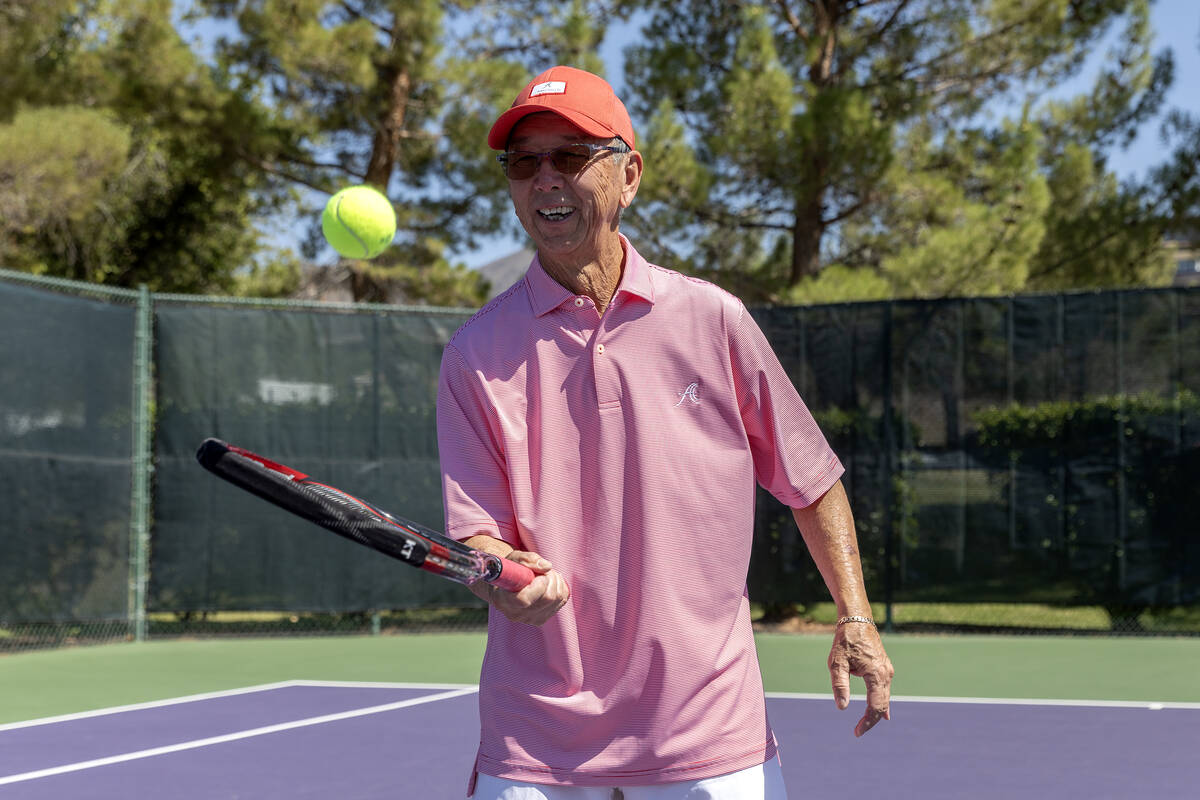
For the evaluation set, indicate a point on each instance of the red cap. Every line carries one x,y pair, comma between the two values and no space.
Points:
583,99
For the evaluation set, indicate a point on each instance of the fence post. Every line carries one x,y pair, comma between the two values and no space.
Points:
889,468
1122,456
139,543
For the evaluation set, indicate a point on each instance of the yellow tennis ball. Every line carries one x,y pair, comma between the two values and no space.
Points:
359,222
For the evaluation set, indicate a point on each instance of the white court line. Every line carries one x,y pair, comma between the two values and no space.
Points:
380,685
1001,701
170,701
231,737
192,698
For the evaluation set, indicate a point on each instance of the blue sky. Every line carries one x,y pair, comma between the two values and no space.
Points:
1177,26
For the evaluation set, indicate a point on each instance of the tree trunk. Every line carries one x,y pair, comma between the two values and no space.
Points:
810,224
807,232
385,149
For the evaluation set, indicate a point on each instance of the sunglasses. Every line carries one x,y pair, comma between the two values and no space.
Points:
520,165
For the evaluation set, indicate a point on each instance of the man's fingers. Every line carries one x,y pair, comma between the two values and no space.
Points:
535,589
879,698
547,589
557,590
545,595
869,720
566,588
839,673
532,560
872,715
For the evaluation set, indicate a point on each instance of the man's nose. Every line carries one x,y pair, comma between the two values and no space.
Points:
546,176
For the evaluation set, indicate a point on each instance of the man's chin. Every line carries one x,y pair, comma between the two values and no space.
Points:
558,248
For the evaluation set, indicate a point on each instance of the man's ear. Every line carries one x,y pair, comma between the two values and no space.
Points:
632,177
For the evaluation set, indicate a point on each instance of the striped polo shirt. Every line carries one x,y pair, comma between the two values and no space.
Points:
625,448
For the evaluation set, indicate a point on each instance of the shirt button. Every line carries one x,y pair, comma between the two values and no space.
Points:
579,302
600,349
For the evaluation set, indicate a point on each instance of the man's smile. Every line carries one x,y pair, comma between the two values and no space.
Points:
556,213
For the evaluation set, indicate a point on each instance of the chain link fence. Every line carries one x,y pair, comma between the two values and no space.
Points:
1015,464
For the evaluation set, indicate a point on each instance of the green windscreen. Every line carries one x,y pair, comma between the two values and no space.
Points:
345,397
1036,450
1008,450
66,390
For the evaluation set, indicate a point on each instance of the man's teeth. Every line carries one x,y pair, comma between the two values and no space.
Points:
556,213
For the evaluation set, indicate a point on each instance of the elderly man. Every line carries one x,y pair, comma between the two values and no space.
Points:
604,422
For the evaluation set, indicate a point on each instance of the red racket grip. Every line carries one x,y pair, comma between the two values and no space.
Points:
513,577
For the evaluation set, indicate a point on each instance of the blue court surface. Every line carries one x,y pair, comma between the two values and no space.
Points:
306,739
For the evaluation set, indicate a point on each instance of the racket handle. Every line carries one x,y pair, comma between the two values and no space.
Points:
513,577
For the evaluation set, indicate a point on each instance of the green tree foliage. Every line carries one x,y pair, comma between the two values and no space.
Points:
968,228
805,151
153,186
58,166
201,155
398,94
797,151
1098,232
1175,183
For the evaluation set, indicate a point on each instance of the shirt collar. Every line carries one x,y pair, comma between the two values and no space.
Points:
547,294
636,278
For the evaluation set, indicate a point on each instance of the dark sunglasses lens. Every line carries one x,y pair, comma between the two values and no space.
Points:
520,167
570,159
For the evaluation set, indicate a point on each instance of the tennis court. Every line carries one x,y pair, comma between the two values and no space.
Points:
363,738
1086,517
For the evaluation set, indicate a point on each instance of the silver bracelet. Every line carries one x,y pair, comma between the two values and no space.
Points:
864,620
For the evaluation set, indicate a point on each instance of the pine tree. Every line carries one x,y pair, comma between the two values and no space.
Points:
803,150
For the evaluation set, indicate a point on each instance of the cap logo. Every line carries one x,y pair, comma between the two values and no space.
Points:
549,87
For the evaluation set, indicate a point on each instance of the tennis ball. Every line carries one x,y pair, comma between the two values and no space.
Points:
359,222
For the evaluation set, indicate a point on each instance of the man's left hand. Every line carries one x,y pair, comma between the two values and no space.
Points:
858,650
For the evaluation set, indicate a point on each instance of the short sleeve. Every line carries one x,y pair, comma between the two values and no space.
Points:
792,459
475,487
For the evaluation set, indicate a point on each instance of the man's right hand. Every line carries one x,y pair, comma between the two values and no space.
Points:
537,602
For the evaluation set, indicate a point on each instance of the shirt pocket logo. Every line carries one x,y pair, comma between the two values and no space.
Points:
689,394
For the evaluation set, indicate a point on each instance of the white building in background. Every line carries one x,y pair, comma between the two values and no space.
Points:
504,272
331,283
1187,261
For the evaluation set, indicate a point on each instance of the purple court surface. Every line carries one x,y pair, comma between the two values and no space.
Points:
334,740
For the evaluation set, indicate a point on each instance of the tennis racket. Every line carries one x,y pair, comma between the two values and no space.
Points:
358,521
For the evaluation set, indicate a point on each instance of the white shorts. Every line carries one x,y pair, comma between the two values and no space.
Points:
761,782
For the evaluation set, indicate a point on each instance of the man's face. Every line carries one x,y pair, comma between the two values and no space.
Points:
569,217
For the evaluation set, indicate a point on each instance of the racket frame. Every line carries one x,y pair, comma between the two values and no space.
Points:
357,520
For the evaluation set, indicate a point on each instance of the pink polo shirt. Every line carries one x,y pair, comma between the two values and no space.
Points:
625,449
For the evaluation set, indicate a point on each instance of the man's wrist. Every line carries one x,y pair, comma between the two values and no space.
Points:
484,591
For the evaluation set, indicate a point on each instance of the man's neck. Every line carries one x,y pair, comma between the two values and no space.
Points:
596,278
